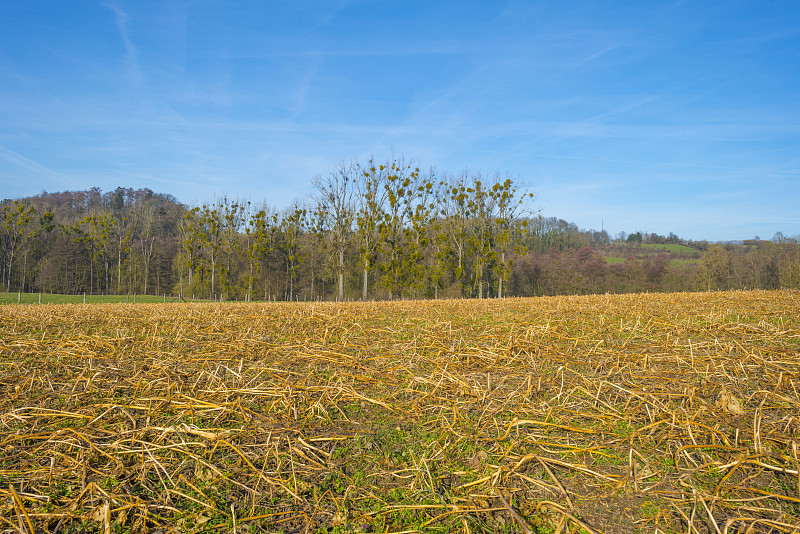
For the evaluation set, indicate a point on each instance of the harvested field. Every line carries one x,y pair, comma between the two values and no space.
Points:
628,413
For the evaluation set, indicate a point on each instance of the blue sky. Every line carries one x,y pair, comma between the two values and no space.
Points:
678,116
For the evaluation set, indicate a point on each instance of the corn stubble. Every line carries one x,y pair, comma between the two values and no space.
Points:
631,413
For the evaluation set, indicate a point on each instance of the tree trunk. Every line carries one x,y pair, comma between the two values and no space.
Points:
191,269
227,284
500,284
10,264
366,277
119,267
291,285
91,272
213,274
341,275
24,270
250,281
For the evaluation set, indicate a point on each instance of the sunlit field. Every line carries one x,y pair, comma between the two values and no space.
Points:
673,413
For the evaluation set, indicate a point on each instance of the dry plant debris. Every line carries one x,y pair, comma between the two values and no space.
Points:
654,413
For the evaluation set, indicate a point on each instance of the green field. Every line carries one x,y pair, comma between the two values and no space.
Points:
614,259
671,248
52,298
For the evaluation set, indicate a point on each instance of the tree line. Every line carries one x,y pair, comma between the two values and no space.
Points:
725,266
381,230
87,241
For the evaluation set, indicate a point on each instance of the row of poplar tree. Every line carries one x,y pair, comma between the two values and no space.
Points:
407,233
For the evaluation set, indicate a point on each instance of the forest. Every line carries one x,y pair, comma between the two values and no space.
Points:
381,230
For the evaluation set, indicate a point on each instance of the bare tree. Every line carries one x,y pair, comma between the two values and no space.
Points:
510,210
454,209
402,187
233,214
481,207
293,225
335,198
369,214
15,229
144,220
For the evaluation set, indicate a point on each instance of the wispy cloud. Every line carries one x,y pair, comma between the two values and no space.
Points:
307,82
594,55
18,161
131,56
